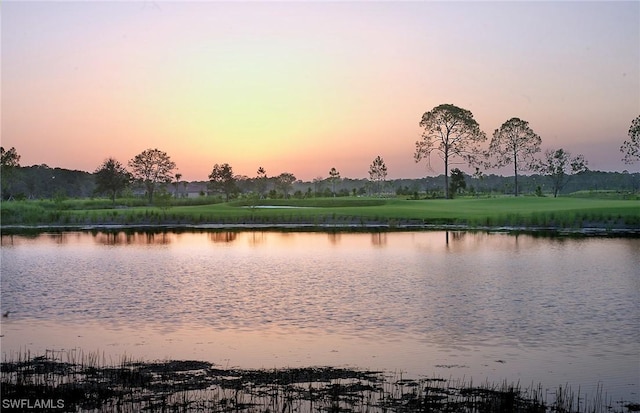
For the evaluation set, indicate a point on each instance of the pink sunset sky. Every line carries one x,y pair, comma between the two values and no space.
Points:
305,86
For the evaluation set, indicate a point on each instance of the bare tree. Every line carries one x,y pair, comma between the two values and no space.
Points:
449,131
152,167
514,143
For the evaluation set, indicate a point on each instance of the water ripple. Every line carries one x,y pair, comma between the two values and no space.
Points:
479,288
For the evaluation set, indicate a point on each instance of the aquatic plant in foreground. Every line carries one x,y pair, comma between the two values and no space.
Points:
77,381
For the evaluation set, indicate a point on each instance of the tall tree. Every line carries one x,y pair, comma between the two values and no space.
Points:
284,182
378,172
451,132
111,178
152,167
222,179
178,178
334,176
514,143
631,147
261,181
559,166
9,162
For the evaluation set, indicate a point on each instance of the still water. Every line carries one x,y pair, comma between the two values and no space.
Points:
486,306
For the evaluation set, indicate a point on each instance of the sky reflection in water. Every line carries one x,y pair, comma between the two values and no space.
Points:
483,305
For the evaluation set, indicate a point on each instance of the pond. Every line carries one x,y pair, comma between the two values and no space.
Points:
486,306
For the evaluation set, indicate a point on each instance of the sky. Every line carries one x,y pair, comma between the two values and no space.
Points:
304,86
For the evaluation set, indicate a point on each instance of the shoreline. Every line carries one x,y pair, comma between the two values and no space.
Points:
85,383
595,230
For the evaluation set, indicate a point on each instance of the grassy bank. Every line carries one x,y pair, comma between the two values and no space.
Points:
73,381
528,212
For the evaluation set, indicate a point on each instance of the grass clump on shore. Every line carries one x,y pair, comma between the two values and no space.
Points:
85,382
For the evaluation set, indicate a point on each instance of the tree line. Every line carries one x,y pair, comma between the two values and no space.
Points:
454,135
44,182
153,171
450,132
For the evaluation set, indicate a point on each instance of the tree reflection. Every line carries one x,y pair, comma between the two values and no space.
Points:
62,237
257,238
133,238
379,239
223,236
455,236
334,237
6,240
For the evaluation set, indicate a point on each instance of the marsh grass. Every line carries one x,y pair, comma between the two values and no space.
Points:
87,382
522,212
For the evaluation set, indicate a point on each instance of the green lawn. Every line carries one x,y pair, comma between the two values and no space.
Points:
521,211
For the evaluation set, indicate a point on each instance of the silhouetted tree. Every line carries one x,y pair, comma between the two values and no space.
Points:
631,147
111,178
222,179
284,182
450,131
10,158
178,178
378,172
514,143
457,181
261,181
9,164
558,165
152,167
334,176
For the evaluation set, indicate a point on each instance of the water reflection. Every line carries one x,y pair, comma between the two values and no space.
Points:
379,239
455,236
465,284
223,237
334,237
130,238
257,238
450,241
453,290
